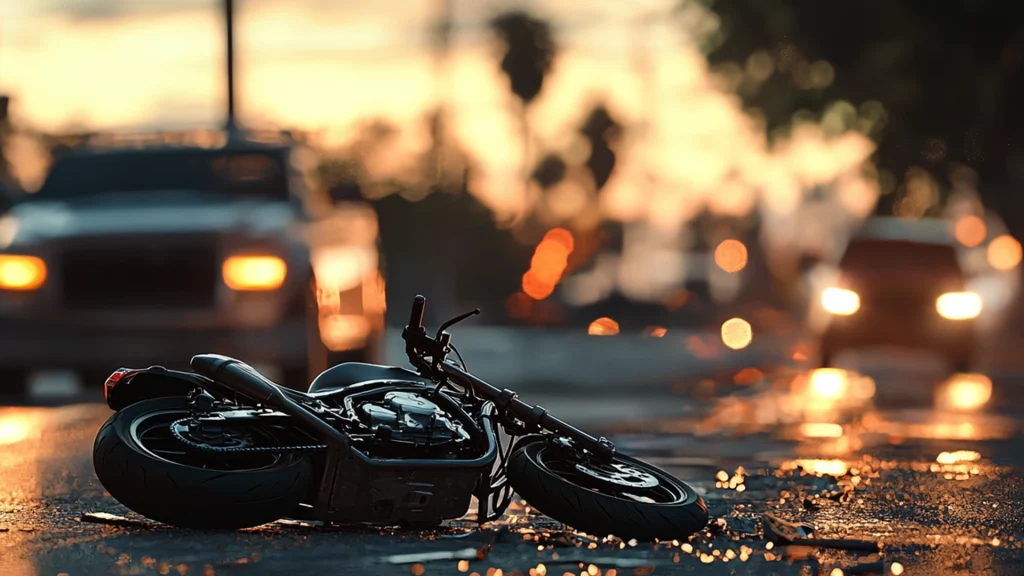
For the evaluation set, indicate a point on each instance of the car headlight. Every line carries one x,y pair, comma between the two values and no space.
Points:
840,301
958,305
254,272
22,273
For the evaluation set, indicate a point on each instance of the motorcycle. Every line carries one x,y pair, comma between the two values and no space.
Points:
223,447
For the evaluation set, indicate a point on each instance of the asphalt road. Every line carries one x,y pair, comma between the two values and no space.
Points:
871,469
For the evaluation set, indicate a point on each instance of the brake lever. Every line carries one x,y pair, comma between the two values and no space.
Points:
455,321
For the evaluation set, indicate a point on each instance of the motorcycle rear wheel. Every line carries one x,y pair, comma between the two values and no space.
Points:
146,469
589,499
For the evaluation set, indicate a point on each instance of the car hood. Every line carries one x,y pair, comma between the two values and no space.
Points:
38,221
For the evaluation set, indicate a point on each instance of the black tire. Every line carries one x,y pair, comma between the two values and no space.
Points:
187,496
602,514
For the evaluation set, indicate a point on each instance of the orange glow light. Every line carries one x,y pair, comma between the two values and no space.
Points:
965,392
340,332
970,231
957,456
830,383
22,273
655,331
603,327
731,256
958,305
254,272
536,288
13,430
549,262
737,333
822,467
747,376
1004,253
821,430
840,301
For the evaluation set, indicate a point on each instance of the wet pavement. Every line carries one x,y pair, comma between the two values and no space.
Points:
859,458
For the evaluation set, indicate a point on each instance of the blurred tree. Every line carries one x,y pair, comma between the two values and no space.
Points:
530,51
342,178
9,186
949,76
550,171
600,130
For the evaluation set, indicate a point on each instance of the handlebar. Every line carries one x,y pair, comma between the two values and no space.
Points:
419,347
419,304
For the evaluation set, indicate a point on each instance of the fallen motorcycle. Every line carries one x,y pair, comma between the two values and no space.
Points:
223,447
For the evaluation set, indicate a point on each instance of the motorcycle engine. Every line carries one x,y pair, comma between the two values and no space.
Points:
411,418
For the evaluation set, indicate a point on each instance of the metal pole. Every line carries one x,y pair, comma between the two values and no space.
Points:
229,11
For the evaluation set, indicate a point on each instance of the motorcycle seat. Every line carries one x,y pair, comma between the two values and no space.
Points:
344,375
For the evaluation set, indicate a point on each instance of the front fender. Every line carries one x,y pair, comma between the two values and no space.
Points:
126,386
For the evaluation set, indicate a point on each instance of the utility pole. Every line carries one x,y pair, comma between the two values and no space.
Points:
229,20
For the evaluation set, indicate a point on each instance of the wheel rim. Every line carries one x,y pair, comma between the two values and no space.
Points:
151,432
621,478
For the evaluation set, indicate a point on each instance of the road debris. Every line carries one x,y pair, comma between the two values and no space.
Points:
420,557
113,520
787,533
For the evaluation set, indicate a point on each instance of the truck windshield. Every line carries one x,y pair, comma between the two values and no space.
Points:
885,255
252,174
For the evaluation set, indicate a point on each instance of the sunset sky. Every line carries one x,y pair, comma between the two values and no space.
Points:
304,63
326,65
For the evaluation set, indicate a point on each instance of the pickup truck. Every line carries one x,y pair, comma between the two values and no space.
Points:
147,255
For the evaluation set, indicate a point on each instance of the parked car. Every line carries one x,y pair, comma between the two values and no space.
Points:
132,255
899,284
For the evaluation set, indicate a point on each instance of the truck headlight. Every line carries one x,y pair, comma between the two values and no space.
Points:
840,301
958,305
251,272
21,273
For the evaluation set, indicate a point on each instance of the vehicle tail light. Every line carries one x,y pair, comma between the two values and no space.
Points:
21,273
112,380
254,272
958,305
840,301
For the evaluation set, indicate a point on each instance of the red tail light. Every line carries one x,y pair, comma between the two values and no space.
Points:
112,380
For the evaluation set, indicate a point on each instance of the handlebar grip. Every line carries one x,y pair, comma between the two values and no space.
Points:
419,303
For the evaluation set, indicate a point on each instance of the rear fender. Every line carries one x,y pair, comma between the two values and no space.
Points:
126,386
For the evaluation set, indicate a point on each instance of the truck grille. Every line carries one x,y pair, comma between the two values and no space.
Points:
139,276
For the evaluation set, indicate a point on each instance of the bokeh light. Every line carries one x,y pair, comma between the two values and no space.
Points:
829,383
959,305
731,255
819,467
1004,253
821,430
21,272
13,430
970,230
840,301
655,331
603,327
737,333
957,456
964,392
549,262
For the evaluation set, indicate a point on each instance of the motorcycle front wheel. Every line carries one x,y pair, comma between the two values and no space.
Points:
144,467
627,498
